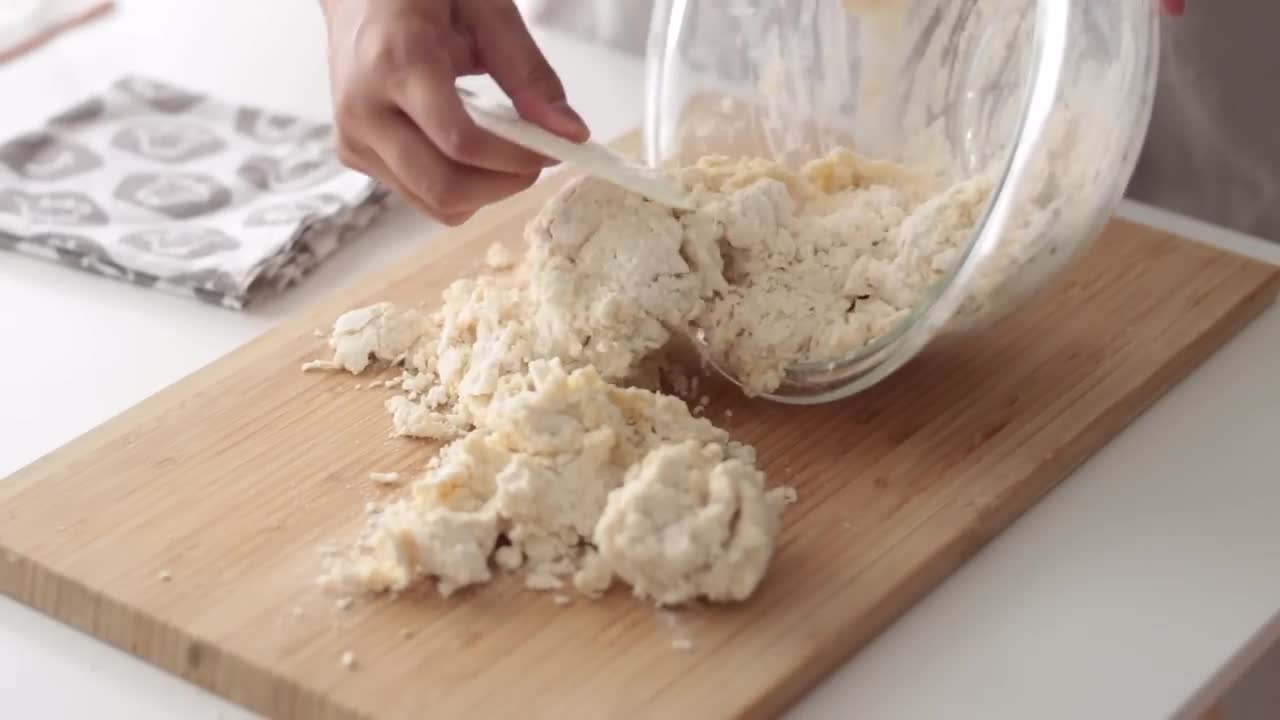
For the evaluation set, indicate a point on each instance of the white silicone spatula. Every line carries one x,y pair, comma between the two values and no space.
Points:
499,118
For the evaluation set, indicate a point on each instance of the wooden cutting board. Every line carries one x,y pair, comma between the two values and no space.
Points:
188,529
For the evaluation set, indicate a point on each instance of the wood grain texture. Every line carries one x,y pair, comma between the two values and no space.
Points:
233,479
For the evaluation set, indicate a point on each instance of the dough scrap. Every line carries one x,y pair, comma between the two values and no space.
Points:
378,331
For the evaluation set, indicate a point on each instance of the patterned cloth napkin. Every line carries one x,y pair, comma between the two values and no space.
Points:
176,190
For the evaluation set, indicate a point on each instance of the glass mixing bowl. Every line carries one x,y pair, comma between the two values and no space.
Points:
1050,98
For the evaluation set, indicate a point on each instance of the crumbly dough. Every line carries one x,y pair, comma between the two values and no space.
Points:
609,279
819,264
375,332
499,257
775,267
689,522
552,471
556,466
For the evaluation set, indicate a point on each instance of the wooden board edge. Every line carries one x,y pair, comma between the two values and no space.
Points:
206,666
994,518
167,647
55,595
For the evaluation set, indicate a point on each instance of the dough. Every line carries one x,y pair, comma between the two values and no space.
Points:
689,522
566,462
819,264
557,466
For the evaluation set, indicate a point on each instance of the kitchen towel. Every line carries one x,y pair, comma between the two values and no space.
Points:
25,24
173,189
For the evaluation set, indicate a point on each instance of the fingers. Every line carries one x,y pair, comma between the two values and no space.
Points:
511,56
462,53
366,161
399,119
433,182
428,96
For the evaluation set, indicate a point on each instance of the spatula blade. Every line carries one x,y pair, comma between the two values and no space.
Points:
502,120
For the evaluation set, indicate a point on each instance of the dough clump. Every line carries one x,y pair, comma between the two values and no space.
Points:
815,266
553,465
567,463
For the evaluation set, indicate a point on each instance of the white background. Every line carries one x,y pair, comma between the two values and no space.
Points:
1122,594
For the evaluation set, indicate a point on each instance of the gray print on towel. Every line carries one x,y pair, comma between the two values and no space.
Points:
172,189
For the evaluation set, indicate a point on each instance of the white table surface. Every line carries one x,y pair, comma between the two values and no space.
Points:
1147,577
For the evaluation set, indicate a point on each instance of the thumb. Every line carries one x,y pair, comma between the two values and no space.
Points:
509,54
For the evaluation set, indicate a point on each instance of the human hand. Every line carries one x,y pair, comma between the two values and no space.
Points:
392,68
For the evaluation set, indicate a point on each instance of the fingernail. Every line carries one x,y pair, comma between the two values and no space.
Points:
573,120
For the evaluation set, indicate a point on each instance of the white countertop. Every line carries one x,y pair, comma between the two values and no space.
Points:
1145,578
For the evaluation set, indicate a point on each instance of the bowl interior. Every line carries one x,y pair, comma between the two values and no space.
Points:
937,84
950,88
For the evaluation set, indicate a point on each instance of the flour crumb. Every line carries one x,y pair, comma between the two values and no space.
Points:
683,644
728,413
561,599
508,557
499,257
385,478
164,576
543,581
594,577
344,603
681,383
348,660
785,495
320,366
701,407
